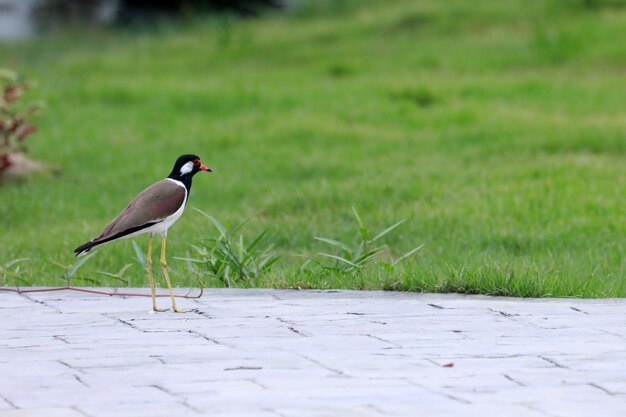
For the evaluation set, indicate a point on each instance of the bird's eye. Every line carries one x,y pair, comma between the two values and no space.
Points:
196,162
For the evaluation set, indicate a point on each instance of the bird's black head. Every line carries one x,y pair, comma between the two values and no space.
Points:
186,167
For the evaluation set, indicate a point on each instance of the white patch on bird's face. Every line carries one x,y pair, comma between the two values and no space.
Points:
187,168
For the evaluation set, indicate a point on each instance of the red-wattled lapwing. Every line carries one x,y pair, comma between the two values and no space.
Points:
154,210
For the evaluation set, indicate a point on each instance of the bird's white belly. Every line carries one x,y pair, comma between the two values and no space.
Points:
161,228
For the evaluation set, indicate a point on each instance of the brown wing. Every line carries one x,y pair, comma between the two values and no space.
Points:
151,206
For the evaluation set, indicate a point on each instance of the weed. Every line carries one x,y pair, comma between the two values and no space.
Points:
70,270
228,258
6,272
352,258
119,275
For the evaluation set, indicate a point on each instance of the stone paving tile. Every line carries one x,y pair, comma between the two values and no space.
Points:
283,353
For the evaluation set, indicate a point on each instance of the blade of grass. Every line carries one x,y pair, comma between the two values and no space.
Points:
140,257
406,255
361,260
362,229
80,262
338,258
344,248
222,229
14,261
387,230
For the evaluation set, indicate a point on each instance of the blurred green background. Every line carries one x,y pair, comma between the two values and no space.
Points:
497,129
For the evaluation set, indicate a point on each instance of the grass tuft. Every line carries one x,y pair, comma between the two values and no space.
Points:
227,258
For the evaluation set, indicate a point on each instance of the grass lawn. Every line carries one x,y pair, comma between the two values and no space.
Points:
498,129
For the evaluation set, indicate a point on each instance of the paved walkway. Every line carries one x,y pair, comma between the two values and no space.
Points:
311,353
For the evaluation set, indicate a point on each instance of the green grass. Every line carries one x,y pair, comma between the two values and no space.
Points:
497,129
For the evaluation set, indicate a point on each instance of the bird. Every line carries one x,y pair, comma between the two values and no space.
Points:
153,211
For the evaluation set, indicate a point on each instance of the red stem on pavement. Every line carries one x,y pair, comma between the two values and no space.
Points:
18,290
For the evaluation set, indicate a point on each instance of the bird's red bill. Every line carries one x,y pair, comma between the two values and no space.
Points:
201,166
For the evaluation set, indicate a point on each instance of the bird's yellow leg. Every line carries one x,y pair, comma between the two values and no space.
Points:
167,277
151,277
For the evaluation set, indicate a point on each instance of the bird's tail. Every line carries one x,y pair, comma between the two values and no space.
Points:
83,249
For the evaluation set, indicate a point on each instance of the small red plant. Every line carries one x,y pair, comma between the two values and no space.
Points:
15,126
